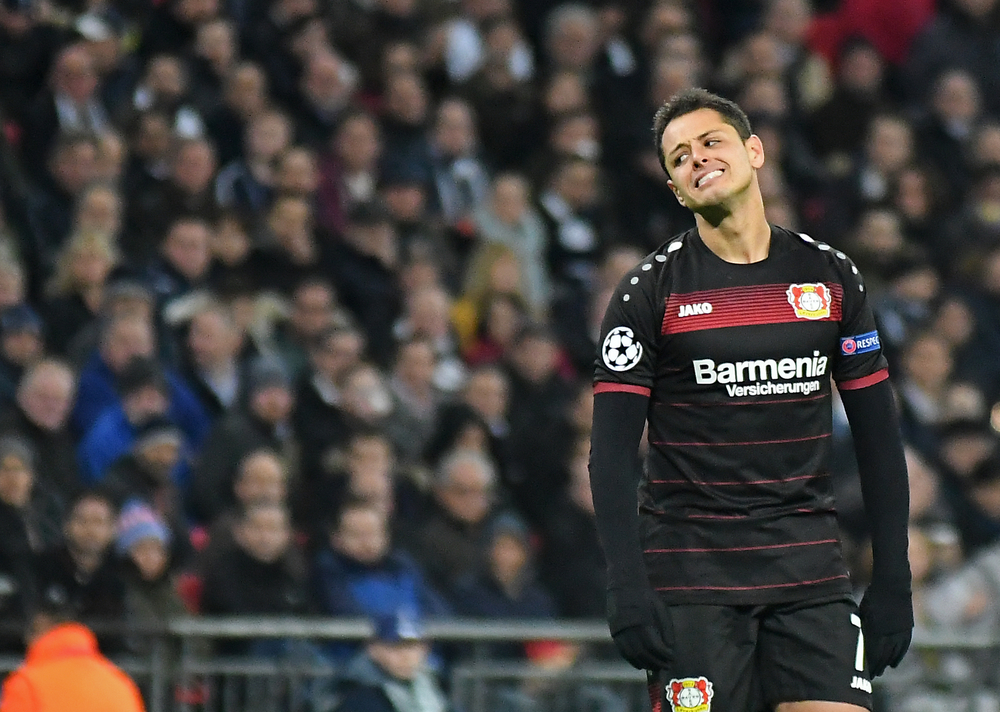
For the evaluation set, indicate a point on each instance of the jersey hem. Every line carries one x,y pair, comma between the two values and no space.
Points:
606,387
865,381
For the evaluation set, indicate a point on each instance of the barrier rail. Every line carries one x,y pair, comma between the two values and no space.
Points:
178,676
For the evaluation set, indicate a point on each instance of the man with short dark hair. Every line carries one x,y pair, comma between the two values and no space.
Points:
726,582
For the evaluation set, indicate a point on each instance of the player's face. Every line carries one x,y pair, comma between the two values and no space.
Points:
707,161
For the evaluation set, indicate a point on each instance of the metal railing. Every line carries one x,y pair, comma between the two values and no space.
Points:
181,674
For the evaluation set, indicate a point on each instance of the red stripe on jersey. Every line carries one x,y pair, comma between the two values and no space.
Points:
655,698
865,381
751,588
756,402
605,387
740,306
748,442
739,548
735,482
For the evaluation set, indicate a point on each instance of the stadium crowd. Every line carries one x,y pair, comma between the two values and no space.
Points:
298,298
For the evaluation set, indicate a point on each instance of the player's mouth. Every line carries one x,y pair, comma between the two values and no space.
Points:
707,178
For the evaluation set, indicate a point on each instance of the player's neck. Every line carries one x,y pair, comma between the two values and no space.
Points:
739,233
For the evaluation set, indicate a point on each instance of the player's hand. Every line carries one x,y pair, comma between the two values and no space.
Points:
640,628
887,621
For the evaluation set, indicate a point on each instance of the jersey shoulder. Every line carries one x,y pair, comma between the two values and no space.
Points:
836,260
651,275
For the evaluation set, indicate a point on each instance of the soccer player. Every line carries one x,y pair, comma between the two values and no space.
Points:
726,580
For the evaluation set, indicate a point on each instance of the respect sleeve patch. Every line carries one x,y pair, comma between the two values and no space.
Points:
860,344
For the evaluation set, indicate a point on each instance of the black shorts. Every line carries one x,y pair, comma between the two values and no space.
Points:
751,658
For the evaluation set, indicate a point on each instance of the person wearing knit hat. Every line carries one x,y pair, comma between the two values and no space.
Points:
149,471
144,542
138,522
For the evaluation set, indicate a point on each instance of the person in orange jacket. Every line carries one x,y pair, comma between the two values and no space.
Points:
64,670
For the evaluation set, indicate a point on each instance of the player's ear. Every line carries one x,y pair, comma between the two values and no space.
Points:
676,192
755,150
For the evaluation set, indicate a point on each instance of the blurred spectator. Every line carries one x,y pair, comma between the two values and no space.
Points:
246,184
144,391
509,219
212,365
263,421
314,311
427,316
502,95
946,133
572,560
460,179
187,193
64,669
957,37
358,572
100,206
164,87
77,290
184,260
21,344
245,95
261,574
417,398
83,570
573,218
146,474
539,432
348,170
215,56
289,250
326,88
30,46
143,540
392,673
69,104
503,317
447,541
404,122
40,416
30,520
975,231
319,417
888,149
68,170
506,586
262,478
364,268
571,38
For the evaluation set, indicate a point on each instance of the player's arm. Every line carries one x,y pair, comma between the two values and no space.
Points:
887,610
615,470
624,374
862,372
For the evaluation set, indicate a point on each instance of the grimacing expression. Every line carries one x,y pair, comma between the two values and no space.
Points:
707,161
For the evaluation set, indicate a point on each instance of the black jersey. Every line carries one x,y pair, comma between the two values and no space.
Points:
736,504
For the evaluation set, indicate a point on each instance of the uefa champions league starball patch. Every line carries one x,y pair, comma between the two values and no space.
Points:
621,351
690,694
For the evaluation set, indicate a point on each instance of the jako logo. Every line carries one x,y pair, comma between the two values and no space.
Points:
859,683
693,309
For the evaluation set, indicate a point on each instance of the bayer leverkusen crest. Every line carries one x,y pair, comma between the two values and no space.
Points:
690,694
810,300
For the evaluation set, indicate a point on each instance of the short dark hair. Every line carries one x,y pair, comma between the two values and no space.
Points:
690,100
